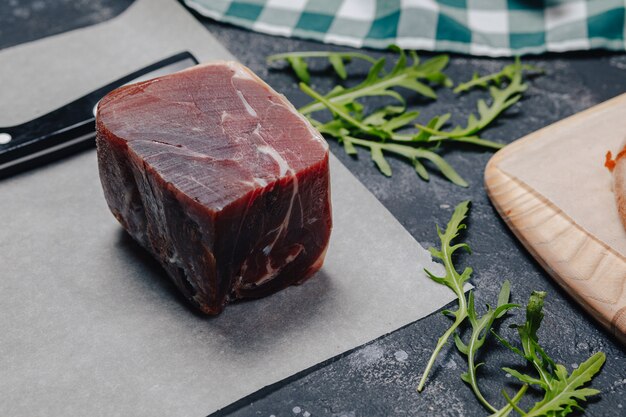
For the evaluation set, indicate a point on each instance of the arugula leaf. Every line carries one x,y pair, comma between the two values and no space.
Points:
531,350
337,129
381,123
497,78
412,154
382,126
566,391
379,83
452,279
562,391
300,68
337,62
382,131
502,99
337,59
480,331
379,126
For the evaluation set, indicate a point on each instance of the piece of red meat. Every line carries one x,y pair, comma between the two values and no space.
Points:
219,178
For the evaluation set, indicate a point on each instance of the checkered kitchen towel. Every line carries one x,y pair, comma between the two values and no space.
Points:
478,27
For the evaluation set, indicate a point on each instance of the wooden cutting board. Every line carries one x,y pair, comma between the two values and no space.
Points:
552,190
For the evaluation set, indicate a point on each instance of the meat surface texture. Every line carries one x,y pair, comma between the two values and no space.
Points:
219,178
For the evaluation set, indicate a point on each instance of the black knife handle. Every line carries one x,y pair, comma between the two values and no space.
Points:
65,130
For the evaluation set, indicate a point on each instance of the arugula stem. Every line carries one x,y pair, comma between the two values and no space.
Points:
338,111
457,283
480,332
349,96
511,403
543,373
474,140
485,79
320,54
440,344
471,364
452,279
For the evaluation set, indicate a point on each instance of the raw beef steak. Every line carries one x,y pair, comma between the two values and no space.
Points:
220,178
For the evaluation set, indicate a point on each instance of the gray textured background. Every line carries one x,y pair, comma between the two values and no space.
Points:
379,379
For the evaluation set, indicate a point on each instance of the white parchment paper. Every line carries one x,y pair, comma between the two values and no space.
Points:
565,164
89,323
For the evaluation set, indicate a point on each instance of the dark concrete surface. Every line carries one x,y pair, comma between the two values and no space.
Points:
379,379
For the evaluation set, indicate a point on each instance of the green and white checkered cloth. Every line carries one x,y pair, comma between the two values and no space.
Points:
477,27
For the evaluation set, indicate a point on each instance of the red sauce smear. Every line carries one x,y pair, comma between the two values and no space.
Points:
609,162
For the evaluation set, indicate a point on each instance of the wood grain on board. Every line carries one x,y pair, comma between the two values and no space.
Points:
589,269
